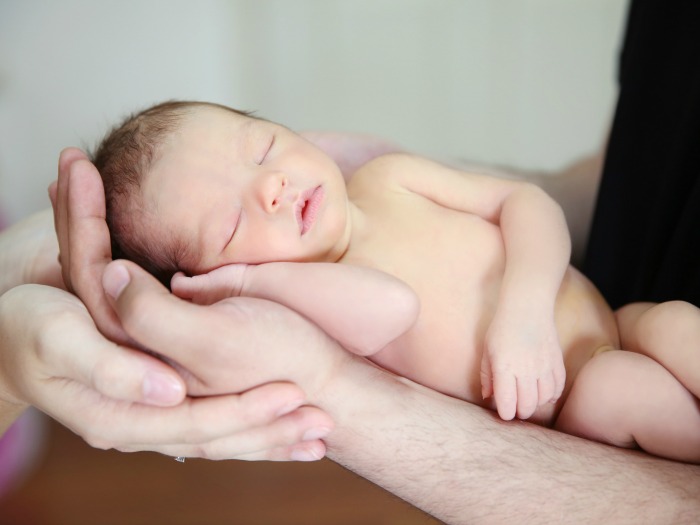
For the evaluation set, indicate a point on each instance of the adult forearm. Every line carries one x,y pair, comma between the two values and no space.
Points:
463,465
28,253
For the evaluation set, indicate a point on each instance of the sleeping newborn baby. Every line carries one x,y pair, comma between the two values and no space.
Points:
458,281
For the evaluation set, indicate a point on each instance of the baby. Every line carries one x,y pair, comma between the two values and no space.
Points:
458,281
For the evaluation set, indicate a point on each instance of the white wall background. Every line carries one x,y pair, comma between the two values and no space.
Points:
529,83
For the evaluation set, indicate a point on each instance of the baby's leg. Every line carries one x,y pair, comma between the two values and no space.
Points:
668,333
628,399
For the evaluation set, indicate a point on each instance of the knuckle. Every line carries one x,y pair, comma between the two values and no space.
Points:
203,424
249,412
105,377
196,433
137,315
204,451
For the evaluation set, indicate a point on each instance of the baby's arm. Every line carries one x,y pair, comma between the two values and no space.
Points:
522,364
362,308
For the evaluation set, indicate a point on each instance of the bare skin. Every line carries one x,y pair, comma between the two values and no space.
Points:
247,181
500,308
489,471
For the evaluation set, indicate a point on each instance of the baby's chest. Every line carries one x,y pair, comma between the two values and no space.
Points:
436,250
454,262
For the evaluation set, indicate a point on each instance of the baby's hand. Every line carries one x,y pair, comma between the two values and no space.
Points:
522,367
212,287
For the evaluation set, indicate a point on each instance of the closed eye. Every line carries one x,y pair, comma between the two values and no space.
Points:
235,229
267,150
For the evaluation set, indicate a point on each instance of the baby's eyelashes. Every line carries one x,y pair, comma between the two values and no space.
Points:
267,150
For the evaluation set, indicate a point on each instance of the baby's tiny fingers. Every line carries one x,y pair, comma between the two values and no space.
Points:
559,380
546,389
505,394
486,379
527,397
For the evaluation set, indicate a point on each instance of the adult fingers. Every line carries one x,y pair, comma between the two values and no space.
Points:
122,373
68,348
244,423
86,248
178,329
58,192
230,346
284,438
153,316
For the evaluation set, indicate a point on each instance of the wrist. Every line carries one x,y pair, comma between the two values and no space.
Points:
322,381
527,301
360,398
29,253
15,305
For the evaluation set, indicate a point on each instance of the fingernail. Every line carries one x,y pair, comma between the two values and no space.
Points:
304,455
161,389
316,433
115,279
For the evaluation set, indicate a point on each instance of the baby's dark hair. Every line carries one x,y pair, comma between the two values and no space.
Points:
123,157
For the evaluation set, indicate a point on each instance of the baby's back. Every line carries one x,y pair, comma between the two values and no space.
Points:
455,262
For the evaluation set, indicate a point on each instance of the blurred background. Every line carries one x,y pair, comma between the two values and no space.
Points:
528,83
522,83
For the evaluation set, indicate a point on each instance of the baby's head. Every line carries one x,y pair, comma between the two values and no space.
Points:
191,186
123,158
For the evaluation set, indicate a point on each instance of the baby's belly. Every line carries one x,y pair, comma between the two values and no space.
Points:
585,323
458,284
443,350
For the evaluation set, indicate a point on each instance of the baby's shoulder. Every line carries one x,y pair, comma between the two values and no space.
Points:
387,170
390,162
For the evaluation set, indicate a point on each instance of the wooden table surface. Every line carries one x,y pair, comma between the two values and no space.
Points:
74,484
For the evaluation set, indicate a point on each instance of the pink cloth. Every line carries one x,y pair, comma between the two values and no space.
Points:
20,450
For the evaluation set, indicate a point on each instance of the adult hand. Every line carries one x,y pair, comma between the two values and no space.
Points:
229,346
53,357
78,202
28,251
79,212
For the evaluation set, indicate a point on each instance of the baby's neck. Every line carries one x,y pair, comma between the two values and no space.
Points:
353,230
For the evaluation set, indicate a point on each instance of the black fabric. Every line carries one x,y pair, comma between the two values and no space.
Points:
644,242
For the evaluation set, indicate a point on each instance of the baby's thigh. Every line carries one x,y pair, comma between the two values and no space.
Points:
657,329
667,332
629,400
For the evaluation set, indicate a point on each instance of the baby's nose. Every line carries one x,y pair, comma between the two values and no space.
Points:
272,189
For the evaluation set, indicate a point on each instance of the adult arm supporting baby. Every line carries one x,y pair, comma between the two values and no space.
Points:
362,308
488,471
52,355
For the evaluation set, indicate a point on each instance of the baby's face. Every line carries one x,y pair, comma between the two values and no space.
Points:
234,189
